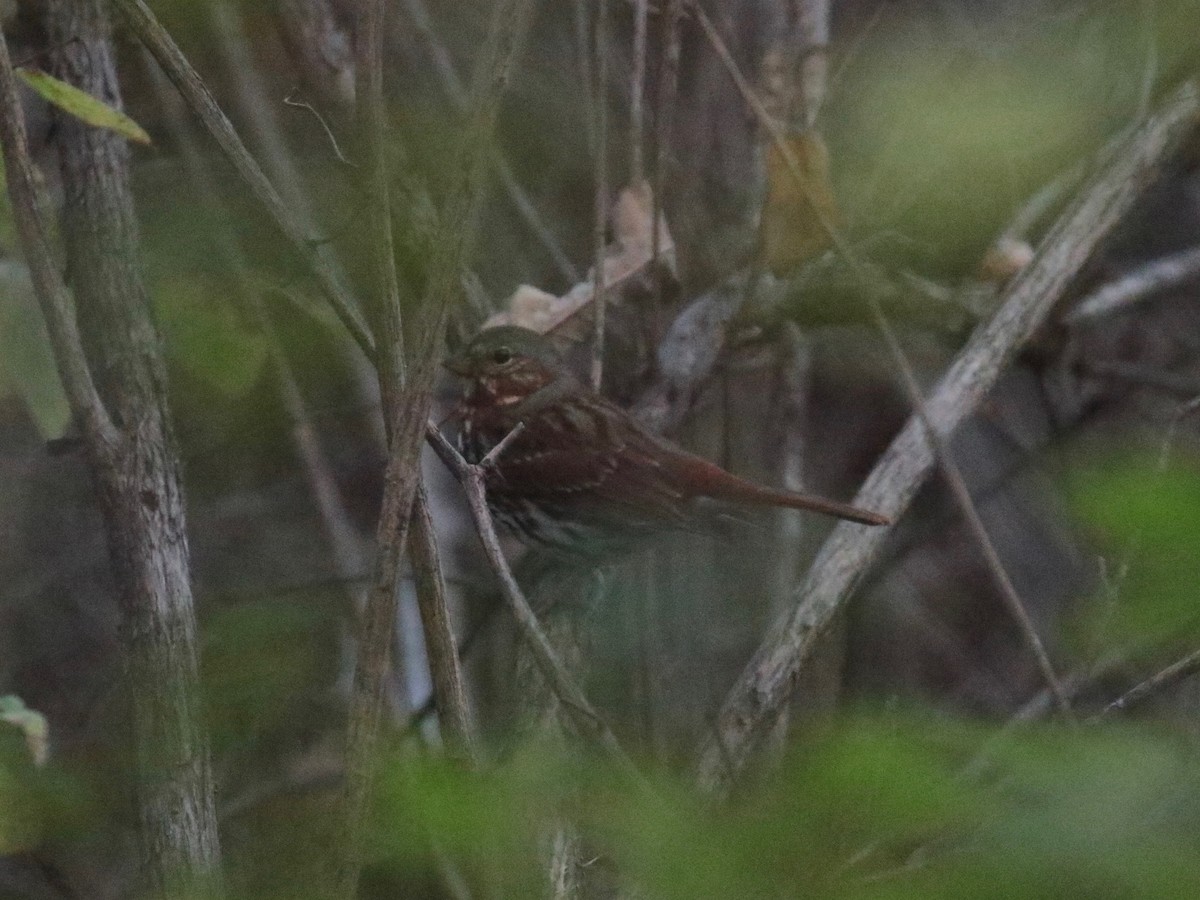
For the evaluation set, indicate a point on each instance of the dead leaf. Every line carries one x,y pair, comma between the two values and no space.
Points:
32,724
1004,259
797,208
627,256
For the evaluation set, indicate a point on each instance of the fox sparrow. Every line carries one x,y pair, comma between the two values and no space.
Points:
582,475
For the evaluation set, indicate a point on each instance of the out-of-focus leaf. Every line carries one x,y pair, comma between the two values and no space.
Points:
879,807
1134,506
800,203
32,724
83,105
206,336
27,366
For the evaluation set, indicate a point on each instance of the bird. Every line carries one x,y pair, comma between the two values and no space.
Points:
582,475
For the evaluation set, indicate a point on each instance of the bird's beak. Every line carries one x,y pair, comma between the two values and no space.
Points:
459,364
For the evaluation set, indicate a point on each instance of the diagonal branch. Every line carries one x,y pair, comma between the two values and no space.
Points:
1162,680
765,685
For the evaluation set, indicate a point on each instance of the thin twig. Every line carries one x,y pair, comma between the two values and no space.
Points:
600,232
1155,684
766,683
495,453
290,100
813,37
316,253
579,709
1141,284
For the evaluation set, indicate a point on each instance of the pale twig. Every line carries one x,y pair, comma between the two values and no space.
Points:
496,452
765,685
290,100
1143,283
1167,678
316,253
580,711
813,35
600,232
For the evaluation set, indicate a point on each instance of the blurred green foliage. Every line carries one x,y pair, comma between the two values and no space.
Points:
1146,518
883,805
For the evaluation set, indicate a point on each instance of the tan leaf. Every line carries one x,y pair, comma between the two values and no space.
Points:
628,255
797,208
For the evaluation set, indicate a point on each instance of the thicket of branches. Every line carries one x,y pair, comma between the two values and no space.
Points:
943,258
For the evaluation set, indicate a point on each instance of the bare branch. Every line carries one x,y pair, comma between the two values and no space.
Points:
407,411
765,685
637,96
1141,284
1167,678
445,664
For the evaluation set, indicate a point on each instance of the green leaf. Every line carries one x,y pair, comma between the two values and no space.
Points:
32,724
82,105
1152,517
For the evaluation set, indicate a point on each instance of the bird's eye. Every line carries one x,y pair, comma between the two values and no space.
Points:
502,356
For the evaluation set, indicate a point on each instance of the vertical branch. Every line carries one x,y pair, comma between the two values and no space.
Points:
133,455
375,628
52,294
445,664
408,409
600,113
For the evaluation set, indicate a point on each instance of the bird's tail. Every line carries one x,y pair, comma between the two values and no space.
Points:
713,481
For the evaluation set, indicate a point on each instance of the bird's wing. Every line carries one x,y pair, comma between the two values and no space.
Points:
591,458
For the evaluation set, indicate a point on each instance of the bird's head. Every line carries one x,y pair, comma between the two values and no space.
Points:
506,364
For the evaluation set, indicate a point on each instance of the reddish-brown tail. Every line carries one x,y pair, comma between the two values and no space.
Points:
710,480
